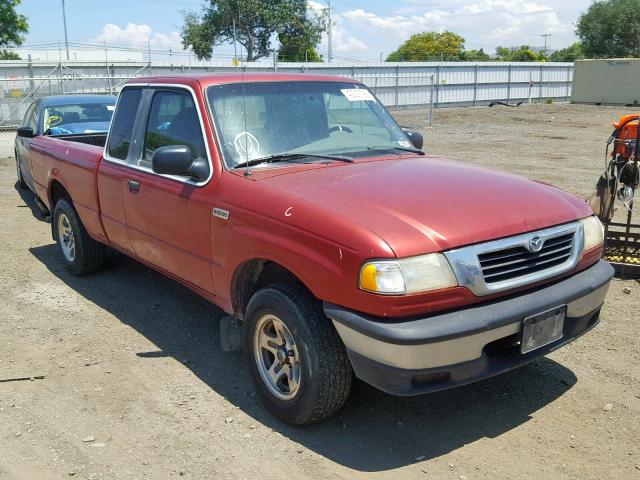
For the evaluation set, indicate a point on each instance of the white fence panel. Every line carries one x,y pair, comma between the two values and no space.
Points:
432,84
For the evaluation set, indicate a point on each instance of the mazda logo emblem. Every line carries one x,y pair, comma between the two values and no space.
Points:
535,244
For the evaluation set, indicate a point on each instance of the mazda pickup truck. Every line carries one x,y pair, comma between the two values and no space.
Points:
335,245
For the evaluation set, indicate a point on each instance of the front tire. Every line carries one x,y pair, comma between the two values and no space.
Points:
81,254
295,356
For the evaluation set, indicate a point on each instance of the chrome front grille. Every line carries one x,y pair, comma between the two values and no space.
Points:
512,262
515,262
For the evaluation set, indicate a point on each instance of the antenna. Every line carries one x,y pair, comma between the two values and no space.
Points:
329,34
235,46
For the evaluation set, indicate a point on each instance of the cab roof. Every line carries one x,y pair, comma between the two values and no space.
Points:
57,100
206,79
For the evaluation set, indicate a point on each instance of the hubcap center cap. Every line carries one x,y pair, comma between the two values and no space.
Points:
281,354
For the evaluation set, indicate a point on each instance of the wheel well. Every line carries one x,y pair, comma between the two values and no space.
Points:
56,192
254,275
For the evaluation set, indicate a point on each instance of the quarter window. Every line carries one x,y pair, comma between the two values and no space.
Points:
123,122
173,120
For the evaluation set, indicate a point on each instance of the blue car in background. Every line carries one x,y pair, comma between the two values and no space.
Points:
86,117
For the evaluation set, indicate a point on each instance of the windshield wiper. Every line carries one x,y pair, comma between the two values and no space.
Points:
404,149
287,157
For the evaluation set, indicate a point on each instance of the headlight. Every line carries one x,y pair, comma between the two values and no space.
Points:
593,232
409,275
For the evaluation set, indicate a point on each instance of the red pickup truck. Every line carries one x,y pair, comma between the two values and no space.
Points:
297,205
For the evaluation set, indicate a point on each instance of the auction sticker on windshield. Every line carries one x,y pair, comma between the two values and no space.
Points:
357,95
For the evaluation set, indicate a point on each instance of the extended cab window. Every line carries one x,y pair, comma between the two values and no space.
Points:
173,120
123,122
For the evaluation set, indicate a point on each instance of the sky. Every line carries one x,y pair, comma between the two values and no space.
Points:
363,29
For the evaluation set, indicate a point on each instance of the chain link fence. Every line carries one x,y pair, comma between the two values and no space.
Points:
17,93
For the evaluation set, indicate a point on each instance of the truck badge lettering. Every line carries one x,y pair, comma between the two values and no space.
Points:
220,213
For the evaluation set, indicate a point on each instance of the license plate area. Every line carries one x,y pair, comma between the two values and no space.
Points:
542,329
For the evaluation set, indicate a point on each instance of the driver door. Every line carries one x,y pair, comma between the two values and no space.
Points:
169,218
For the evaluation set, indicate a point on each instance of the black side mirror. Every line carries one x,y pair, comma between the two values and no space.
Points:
25,132
415,137
179,160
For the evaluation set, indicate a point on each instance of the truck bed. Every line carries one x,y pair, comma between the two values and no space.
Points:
72,161
97,139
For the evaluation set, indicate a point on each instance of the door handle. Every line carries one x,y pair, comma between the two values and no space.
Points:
134,186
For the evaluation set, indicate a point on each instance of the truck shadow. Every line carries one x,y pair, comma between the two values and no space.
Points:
29,199
374,432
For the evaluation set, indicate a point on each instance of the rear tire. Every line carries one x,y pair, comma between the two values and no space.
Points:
21,183
295,356
81,254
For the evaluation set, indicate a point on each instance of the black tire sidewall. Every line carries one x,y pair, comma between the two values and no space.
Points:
271,301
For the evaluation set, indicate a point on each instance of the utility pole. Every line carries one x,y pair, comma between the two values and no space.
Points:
149,53
235,45
106,65
545,35
64,21
330,53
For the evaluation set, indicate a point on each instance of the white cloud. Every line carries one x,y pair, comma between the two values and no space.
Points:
484,23
345,43
342,40
365,33
316,6
398,24
138,36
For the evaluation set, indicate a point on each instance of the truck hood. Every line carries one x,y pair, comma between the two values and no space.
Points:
428,204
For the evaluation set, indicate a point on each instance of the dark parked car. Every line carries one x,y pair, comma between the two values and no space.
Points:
60,116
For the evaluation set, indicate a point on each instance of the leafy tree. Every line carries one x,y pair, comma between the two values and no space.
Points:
611,28
8,55
570,54
12,28
299,37
297,49
256,22
474,56
524,53
428,46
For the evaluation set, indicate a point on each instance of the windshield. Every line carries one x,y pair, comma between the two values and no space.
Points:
77,118
255,120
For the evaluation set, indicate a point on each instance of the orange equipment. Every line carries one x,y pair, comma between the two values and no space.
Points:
619,182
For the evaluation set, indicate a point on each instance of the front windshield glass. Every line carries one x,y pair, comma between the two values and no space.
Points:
77,118
255,120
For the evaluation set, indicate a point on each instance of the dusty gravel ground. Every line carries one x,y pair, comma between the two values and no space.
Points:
6,143
136,385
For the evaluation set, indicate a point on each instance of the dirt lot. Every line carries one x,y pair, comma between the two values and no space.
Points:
136,385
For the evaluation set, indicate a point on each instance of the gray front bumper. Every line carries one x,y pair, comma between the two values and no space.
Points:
462,337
